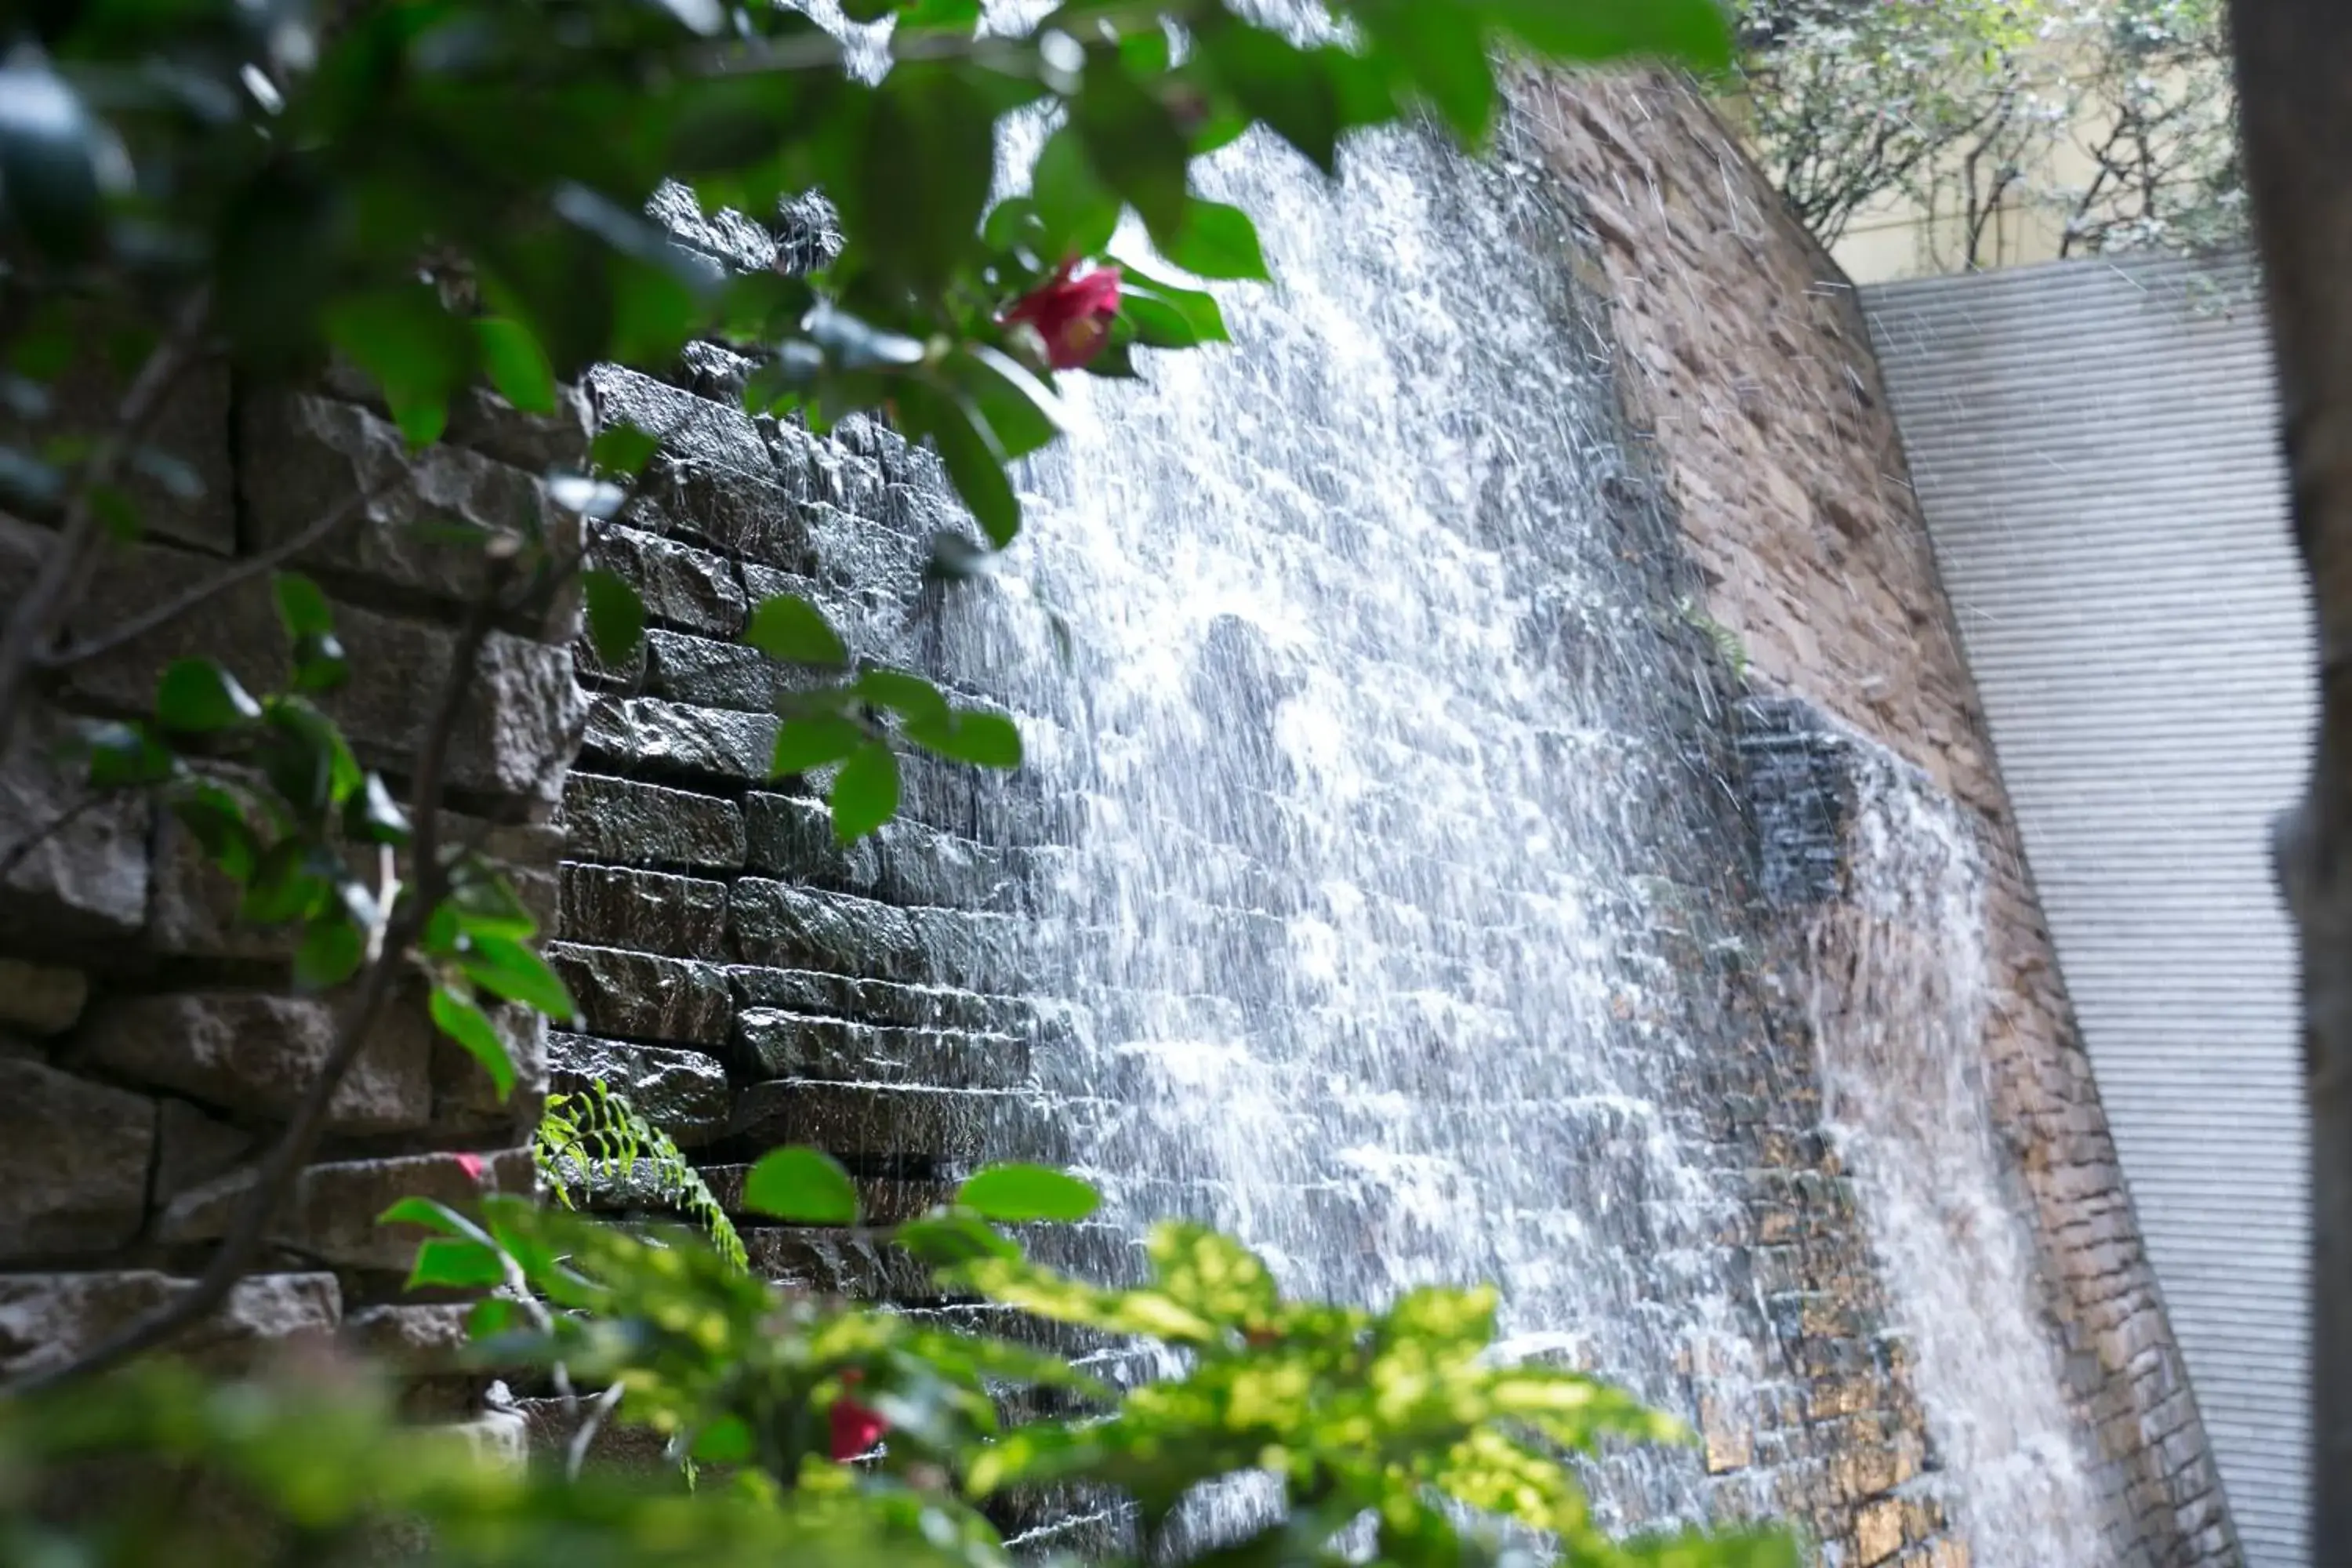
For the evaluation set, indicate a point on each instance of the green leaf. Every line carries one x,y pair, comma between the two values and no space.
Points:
418,352
1011,1194
1023,412
1166,315
788,627
319,663
331,951
216,819
517,365
432,1215
1296,93
915,699
1217,241
983,739
923,171
865,793
505,967
622,450
372,816
196,696
1134,142
302,607
1078,212
456,1265
462,1021
968,449
1697,33
616,615
1444,51
58,161
125,756
806,1186
805,744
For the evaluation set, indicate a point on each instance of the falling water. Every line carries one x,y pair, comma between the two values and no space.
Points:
1384,829
1371,766
1898,987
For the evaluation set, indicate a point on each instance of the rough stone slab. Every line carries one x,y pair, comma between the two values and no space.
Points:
710,674
87,875
46,1318
725,236
482,421
411,1337
194,909
255,1053
906,863
641,996
303,456
681,586
466,1098
332,1213
634,822
40,998
517,728
191,1148
684,1093
872,620
783,927
650,911
750,516
646,732
860,1264
771,1043
73,1161
883,1001
697,429
879,1122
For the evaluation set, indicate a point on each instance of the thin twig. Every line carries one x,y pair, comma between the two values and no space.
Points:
196,598
577,1456
292,1151
66,565
22,849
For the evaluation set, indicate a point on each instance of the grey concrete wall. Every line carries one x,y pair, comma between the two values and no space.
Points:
2094,447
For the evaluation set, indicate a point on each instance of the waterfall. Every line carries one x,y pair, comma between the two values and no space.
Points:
1389,885
1373,773
1897,991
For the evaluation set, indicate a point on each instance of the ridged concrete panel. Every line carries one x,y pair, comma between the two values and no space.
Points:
2095,450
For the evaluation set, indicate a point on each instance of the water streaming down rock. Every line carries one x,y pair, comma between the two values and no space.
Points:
1389,858
1898,988
1374,759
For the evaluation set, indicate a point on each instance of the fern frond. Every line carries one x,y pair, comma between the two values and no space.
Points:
595,1134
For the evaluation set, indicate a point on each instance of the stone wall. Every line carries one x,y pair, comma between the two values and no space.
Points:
745,982
1748,369
150,1044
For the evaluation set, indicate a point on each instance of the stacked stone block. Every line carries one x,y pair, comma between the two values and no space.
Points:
152,1045
744,980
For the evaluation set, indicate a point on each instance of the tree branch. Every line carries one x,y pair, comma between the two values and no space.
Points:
196,598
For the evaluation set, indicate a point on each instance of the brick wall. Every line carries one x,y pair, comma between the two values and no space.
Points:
1750,374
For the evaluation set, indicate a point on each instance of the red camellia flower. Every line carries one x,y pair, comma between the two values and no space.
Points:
1073,315
856,1430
